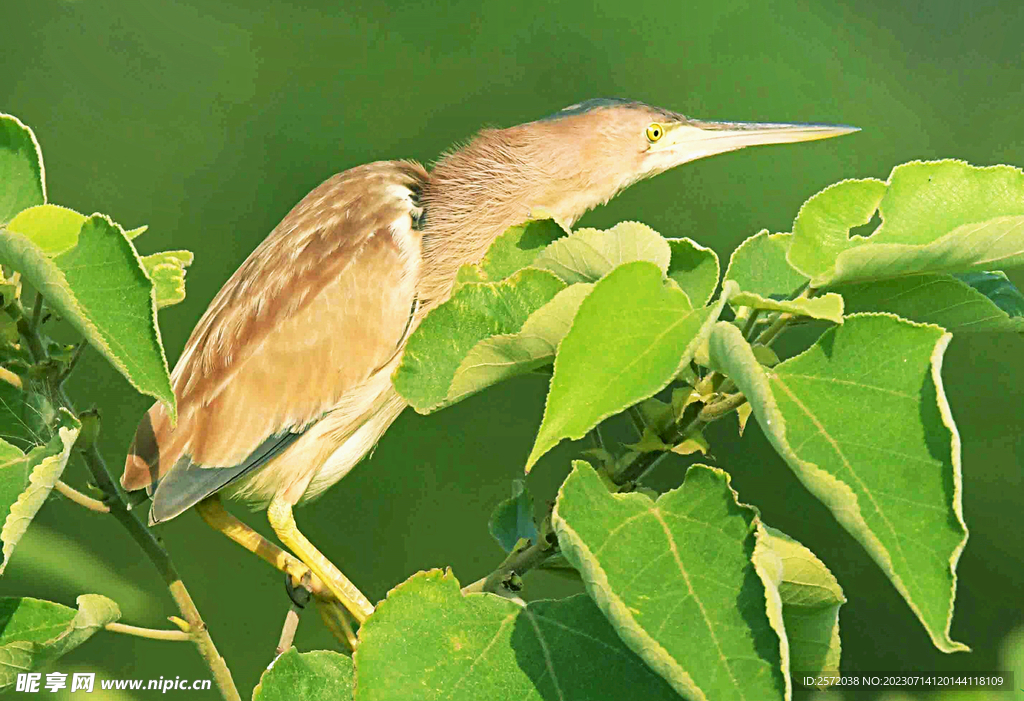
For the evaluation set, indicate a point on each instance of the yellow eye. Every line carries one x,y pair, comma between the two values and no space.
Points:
654,132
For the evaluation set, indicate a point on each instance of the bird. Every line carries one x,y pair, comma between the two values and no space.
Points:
285,383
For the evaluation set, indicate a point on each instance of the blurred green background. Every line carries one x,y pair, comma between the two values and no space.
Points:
208,121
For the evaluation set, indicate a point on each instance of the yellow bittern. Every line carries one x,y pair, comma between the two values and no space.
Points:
285,383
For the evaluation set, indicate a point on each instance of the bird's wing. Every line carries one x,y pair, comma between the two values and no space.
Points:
317,308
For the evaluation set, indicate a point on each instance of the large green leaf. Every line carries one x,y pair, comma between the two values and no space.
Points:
695,269
102,289
321,675
514,249
428,641
504,356
34,633
44,465
590,254
55,230
811,598
475,311
942,216
862,419
941,299
22,180
630,337
822,227
759,266
676,578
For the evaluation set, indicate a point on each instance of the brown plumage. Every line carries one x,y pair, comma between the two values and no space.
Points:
285,385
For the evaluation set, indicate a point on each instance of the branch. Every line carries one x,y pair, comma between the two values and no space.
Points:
519,561
118,508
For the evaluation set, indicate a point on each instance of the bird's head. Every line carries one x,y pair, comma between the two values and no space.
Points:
589,152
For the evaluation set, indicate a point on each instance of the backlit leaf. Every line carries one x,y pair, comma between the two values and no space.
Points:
811,598
828,306
22,179
938,298
759,266
590,254
504,356
695,269
941,216
862,419
676,578
34,633
101,288
427,641
474,312
320,675
631,336
514,249
44,464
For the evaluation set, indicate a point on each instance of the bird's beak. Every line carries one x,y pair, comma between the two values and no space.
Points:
698,139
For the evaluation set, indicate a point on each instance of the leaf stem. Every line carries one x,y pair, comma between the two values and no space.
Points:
772,332
151,633
751,322
81,499
37,312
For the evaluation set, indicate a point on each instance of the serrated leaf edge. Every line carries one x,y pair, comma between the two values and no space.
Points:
824,486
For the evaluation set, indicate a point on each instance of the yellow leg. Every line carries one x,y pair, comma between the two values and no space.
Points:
217,517
283,522
336,620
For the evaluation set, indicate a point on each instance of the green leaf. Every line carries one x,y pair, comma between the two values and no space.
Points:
45,465
34,633
676,579
474,312
428,641
167,271
811,598
695,269
822,227
828,306
505,356
631,336
25,416
997,287
101,288
321,675
942,216
512,519
52,228
14,470
759,266
589,254
22,179
862,419
941,299
514,249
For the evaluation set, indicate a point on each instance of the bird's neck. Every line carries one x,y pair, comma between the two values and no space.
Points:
475,194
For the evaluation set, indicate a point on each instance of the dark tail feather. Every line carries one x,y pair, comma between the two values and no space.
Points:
186,484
